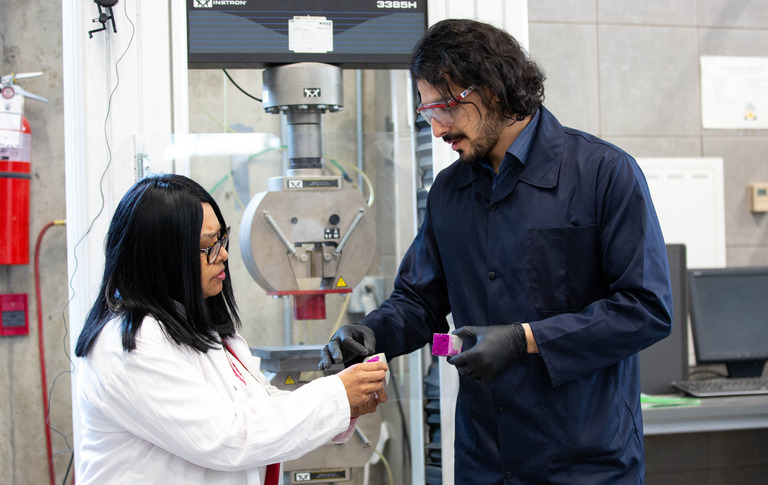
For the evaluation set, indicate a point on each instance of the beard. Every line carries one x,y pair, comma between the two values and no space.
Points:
487,137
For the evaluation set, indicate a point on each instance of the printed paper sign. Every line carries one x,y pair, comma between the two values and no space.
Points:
734,92
310,35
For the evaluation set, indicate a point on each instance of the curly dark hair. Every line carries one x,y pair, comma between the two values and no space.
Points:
468,52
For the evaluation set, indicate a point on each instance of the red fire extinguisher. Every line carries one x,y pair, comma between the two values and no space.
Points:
15,169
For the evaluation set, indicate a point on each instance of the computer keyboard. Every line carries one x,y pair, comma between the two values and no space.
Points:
731,386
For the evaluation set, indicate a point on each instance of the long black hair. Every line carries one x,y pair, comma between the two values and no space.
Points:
472,53
152,267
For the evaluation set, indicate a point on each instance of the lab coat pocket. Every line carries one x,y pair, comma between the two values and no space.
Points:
466,422
563,268
588,417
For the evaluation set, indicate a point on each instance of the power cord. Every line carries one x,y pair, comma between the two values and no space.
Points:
238,87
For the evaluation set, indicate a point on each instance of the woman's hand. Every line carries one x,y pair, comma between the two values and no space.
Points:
363,383
370,405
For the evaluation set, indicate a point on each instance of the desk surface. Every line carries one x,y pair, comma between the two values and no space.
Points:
713,414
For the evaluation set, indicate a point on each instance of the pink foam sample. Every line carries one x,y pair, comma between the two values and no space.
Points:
446,344
376,358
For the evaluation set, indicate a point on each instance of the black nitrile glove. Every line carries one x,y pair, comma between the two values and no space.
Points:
349,341
495,348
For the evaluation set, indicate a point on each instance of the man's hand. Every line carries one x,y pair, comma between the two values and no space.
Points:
496,348
348,342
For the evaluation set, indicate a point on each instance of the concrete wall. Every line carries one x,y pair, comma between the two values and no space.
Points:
30,40
624,70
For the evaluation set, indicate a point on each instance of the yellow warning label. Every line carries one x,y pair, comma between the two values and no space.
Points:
341,283
289,381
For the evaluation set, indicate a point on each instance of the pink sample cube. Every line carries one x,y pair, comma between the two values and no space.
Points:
378,358
446,344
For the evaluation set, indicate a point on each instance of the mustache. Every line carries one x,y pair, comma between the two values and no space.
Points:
451,137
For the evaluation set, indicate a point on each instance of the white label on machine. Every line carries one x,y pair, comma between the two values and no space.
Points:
310,34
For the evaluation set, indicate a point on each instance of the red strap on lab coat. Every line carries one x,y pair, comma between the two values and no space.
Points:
273,474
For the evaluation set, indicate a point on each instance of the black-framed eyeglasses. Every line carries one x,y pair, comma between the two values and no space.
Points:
212,251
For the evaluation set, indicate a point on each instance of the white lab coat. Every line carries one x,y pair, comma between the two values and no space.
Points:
166,414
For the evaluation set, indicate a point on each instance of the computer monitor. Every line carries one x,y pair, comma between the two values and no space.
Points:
667,360
729,318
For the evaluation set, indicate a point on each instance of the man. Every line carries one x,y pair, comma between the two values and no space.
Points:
543,244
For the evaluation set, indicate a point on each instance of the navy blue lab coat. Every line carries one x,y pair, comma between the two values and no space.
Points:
570,243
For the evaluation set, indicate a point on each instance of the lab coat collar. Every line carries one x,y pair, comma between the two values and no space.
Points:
546,155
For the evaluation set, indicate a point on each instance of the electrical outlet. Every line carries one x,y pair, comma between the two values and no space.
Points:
759,197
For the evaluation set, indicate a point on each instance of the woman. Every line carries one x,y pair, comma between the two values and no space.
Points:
167,388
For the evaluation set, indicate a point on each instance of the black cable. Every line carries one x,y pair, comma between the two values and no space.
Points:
238,87
47,418
69,467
